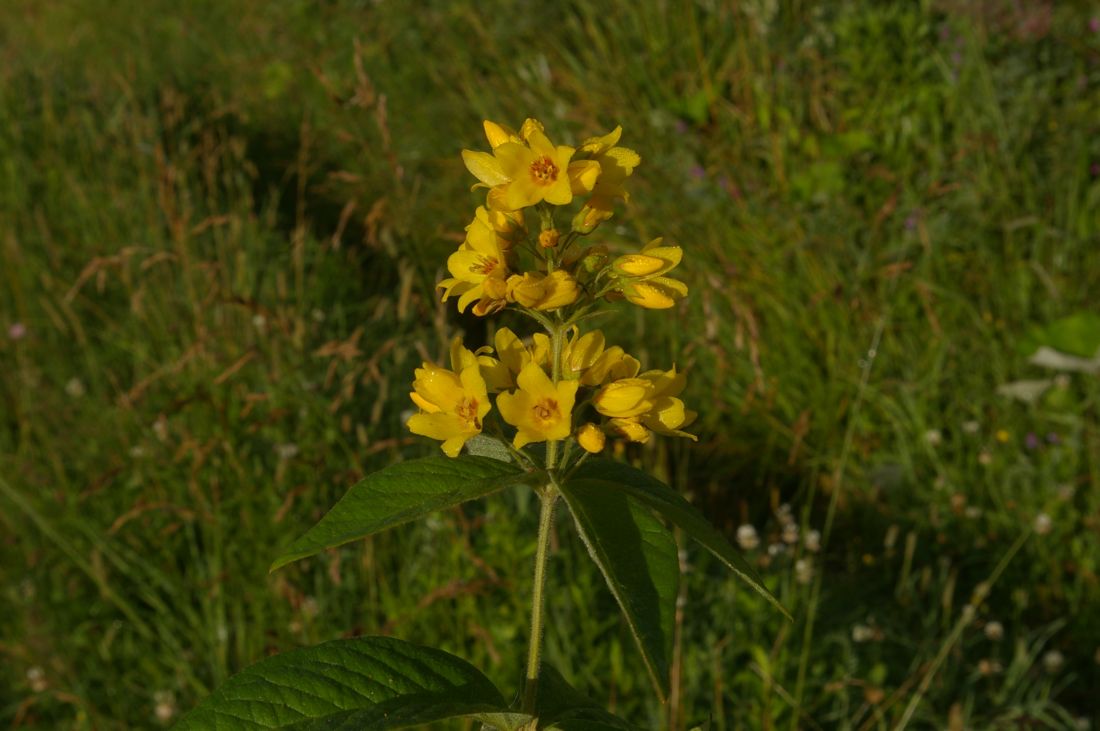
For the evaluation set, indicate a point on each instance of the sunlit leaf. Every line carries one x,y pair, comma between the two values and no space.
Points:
401,493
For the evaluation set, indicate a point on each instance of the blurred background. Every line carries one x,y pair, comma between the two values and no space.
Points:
221,224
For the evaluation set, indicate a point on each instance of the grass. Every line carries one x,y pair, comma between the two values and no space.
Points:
220,229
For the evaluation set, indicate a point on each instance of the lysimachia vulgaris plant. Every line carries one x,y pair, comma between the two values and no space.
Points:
531,413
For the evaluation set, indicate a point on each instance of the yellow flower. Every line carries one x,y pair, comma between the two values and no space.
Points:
629,429
452,405
511,356
667,415
543,291
624,398
641,281
479,269
616,165
578,353
591,438
540,410
528,168
658,293
612,364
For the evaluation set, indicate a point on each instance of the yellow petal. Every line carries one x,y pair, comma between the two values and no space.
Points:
498,134
655,294
583,175
484,167
533,380
623,398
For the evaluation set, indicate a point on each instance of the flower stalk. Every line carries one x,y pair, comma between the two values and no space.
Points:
538,603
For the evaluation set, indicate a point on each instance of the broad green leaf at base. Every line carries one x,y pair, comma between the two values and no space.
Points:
364,683
401,493
640,486
637,556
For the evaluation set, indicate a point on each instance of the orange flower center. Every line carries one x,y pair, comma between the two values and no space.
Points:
547,411
467,411
485,266
544,171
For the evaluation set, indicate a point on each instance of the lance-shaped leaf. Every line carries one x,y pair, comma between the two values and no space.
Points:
561,706
401,493
362,683
637,556
660,497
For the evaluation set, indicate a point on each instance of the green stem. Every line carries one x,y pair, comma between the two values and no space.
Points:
546,520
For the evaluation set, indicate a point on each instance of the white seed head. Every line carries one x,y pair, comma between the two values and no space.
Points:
994,631
812,541
1053,661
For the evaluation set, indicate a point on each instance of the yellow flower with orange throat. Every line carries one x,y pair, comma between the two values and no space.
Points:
527,168
452,403
539,409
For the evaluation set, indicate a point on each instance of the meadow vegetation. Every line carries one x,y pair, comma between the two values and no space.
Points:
221,226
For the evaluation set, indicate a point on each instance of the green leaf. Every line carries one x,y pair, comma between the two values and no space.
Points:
660,497
401,493
483,446
362,683
559,705
1078,334
637,556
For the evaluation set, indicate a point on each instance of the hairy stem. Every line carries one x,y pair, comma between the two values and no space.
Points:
546,520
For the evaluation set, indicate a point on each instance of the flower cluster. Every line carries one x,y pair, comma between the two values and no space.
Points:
561,385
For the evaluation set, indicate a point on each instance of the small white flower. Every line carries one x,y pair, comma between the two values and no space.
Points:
165,708
286,451
812,541
971,427
747,537
1043,524
972,512
1082,724
784,514
862,633
776,549
994,631
160,428
985,458
259,321
1053,661
137,451
75,388
318,314
803,571
934,437
36,678
790,533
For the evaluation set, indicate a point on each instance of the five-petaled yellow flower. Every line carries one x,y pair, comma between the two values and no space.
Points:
540,410
526,169
452,404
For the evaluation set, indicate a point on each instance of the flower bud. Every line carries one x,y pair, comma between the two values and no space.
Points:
548,239
591,438
587,219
